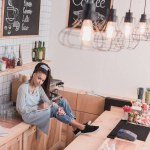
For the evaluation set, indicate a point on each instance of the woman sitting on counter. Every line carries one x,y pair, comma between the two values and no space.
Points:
36,108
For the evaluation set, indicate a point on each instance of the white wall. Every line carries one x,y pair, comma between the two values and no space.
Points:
117,74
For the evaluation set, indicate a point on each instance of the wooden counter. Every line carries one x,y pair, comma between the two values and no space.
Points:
93,141
13,132
16,128
22,136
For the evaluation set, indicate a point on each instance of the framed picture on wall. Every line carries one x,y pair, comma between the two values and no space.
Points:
20,17
76,9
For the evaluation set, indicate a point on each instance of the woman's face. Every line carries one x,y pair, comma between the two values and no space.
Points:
38,78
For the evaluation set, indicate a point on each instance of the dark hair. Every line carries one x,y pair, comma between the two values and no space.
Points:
44,68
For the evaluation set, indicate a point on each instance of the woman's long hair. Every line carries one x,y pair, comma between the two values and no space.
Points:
46,83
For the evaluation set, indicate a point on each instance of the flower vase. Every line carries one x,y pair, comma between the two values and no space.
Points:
125,117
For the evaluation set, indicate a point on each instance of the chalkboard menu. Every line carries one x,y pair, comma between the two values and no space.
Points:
76,9
21,17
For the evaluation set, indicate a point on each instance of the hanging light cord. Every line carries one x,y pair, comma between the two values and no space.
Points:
145,7
130,5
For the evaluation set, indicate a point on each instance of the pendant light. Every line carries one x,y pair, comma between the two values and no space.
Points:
85,37
141,30
112,24
127,28
109,39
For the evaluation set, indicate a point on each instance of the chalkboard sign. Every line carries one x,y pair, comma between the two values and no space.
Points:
76,9
21,17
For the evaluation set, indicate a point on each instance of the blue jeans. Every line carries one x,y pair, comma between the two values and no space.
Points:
63,118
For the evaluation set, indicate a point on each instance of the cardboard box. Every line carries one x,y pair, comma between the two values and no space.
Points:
14,88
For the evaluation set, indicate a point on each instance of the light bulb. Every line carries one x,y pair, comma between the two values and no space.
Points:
110,30
127,29
87,32
142,27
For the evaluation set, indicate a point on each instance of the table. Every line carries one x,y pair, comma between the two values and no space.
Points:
95,141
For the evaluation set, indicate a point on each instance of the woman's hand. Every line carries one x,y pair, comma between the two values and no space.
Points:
43,105
61,111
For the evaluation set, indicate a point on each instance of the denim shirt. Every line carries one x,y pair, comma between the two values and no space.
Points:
28,102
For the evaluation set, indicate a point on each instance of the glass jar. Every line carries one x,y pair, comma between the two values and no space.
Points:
147,96
130,116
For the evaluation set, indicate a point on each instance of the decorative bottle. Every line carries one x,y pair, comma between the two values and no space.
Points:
5,56
20,62
147,96
40,51
13,57
34,52
44,50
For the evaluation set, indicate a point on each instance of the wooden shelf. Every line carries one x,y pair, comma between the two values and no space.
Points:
21,68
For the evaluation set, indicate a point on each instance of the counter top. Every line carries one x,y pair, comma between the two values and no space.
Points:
94,141
14,129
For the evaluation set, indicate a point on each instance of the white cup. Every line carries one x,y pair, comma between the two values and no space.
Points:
3,66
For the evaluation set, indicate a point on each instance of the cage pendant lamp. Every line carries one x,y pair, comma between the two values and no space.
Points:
141,31
109,39
127,28
81,38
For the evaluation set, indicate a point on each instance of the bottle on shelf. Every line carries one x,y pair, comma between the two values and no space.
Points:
35,52
13,58
40,51
44,50
147,96
5,56
20,62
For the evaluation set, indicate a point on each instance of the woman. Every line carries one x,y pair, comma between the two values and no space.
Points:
35,107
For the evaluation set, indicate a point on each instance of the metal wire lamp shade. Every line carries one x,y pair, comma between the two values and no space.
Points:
109,39
127,28
143,28
71,37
